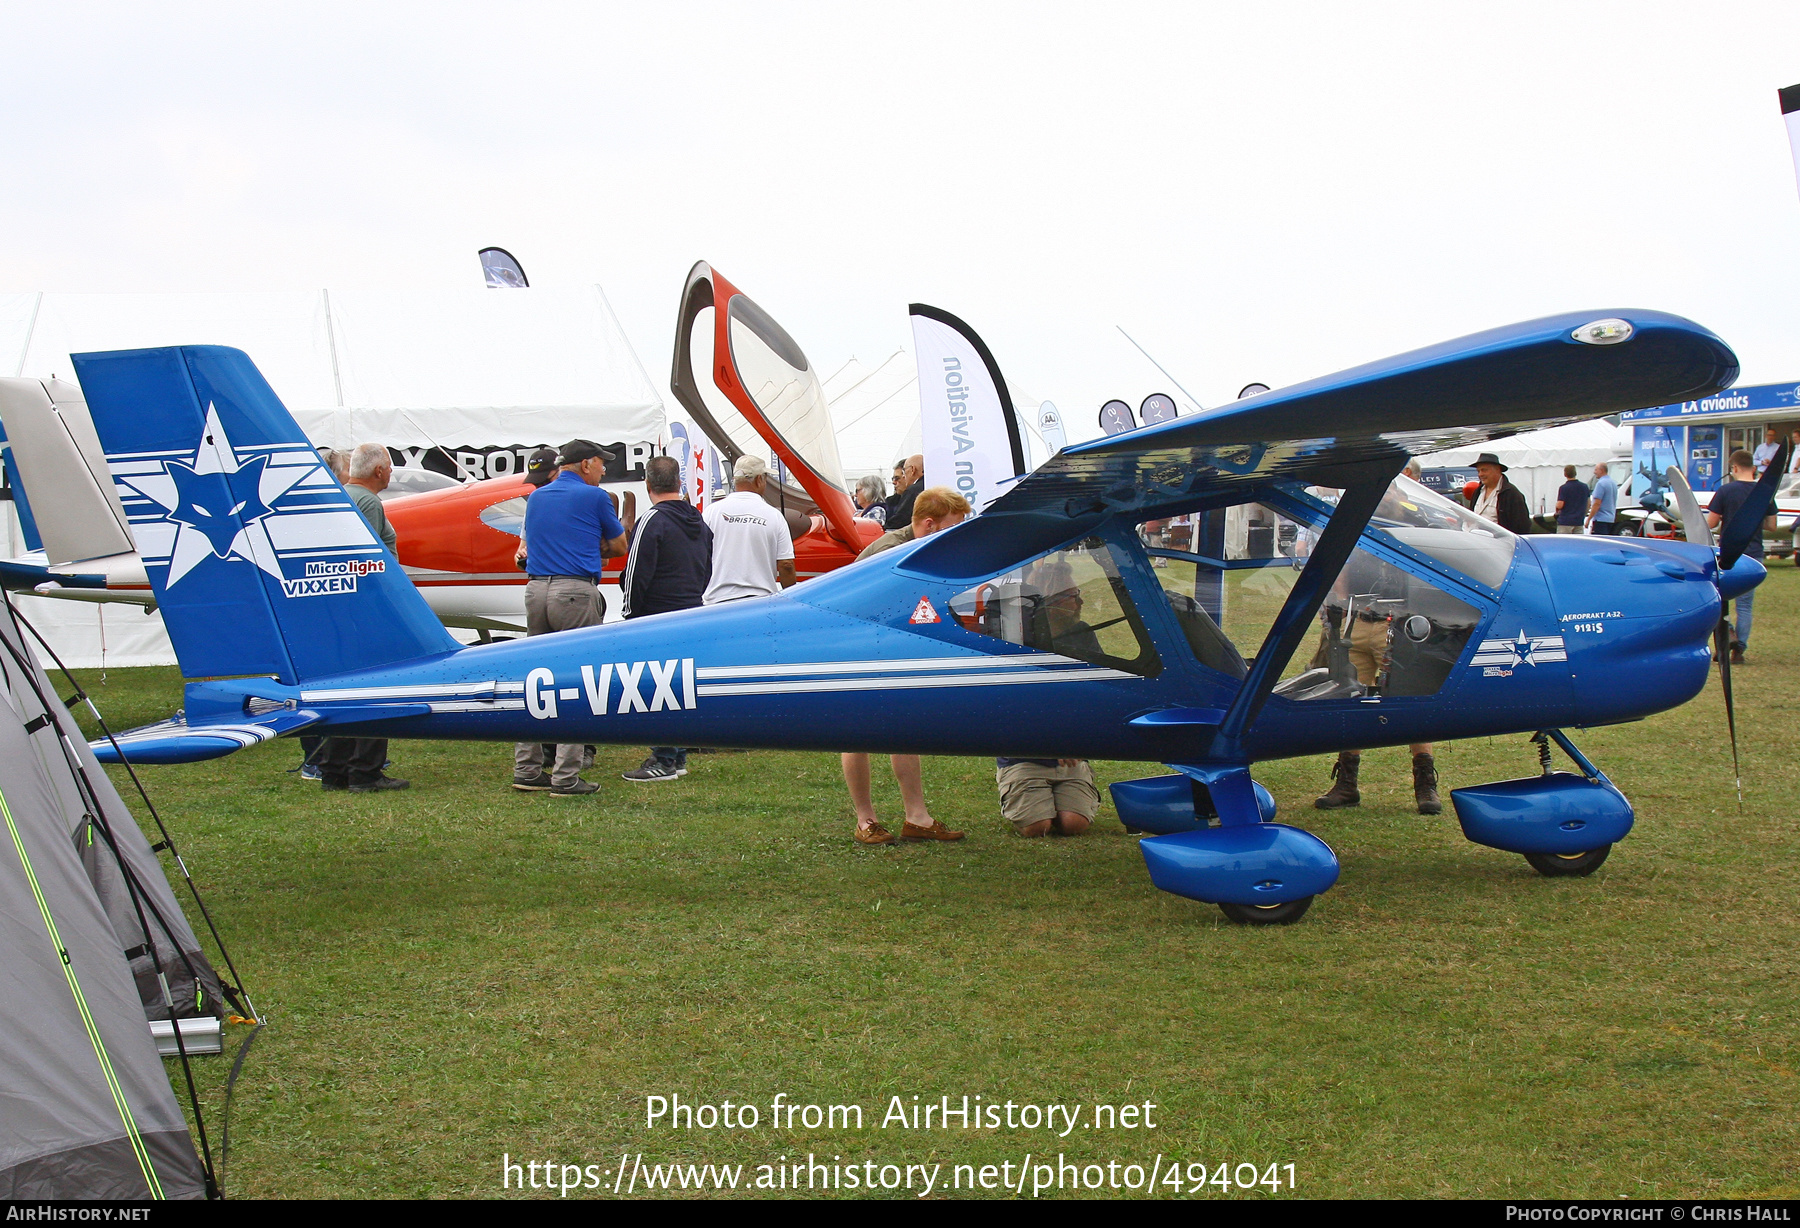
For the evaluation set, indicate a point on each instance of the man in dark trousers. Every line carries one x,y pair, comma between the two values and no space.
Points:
355,763
570,530
1497,499
668,569
1725,504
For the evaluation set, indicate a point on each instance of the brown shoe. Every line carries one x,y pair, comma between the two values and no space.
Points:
937,831
874,833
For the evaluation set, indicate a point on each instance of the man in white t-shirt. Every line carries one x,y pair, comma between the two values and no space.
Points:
751,552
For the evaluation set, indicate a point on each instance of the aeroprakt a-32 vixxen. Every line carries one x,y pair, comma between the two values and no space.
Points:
1042,627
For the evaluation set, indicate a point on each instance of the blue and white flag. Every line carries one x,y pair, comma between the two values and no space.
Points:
502,270
969,434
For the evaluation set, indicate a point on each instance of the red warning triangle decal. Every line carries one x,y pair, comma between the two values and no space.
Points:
924,613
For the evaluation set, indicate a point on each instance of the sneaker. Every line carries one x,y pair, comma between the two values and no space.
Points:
937,831
587,757
653,769
579,788
381,784
533,784
310,771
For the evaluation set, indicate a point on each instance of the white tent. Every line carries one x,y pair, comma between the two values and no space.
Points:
1534,459
455,368
876,411
458,367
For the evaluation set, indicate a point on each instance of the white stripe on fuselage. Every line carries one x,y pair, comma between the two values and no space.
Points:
705,672
799,686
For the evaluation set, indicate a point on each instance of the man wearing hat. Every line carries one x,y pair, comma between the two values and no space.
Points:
540,466
1497,499
571,529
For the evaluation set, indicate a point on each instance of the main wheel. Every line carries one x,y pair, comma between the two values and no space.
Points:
1568,865
1267,914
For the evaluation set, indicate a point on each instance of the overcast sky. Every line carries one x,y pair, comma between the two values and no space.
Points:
1253,195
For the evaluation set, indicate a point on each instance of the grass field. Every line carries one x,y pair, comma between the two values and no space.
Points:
461,971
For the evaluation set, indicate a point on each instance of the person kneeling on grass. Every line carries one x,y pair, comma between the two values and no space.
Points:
1047,797
933,509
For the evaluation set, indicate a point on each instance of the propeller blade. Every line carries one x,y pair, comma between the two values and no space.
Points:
1693,520
1736,534
1722,650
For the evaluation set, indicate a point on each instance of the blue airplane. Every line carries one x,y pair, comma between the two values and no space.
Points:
1326,603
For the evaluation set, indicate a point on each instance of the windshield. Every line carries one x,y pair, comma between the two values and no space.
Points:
1440,529
508,515
785,388
409,481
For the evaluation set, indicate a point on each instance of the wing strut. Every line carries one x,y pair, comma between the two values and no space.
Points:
1362,495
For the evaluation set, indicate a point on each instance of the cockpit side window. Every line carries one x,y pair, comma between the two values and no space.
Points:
1228,573
1441,530
1382,631
1072,602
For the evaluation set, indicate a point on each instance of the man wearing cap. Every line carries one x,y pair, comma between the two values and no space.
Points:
540,466
572,529
1497,499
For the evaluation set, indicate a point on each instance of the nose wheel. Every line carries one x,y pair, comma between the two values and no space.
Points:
1568,865
1267,914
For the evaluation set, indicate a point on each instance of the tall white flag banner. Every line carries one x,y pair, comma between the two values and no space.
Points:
970,437
1790,114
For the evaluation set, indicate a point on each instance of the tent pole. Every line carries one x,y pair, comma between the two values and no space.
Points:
337,380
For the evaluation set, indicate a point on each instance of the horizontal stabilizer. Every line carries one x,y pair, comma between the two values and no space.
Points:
19,576
175,741
1544,372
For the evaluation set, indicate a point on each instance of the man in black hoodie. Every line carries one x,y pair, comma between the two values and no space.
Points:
668,569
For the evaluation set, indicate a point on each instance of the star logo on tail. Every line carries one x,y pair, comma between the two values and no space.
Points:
218,504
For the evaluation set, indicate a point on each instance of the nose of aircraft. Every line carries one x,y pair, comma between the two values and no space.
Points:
1745,574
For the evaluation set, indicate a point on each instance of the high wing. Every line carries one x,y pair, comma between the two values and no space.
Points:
1475,388
772,392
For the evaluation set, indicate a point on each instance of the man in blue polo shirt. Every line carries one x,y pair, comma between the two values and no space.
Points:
1603,507
570,530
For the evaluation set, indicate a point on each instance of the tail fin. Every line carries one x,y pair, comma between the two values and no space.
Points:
260,562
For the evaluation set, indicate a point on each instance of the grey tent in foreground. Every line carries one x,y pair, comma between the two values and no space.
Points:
86,1109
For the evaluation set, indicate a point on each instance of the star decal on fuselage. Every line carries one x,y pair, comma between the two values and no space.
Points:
218,504
1522,648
